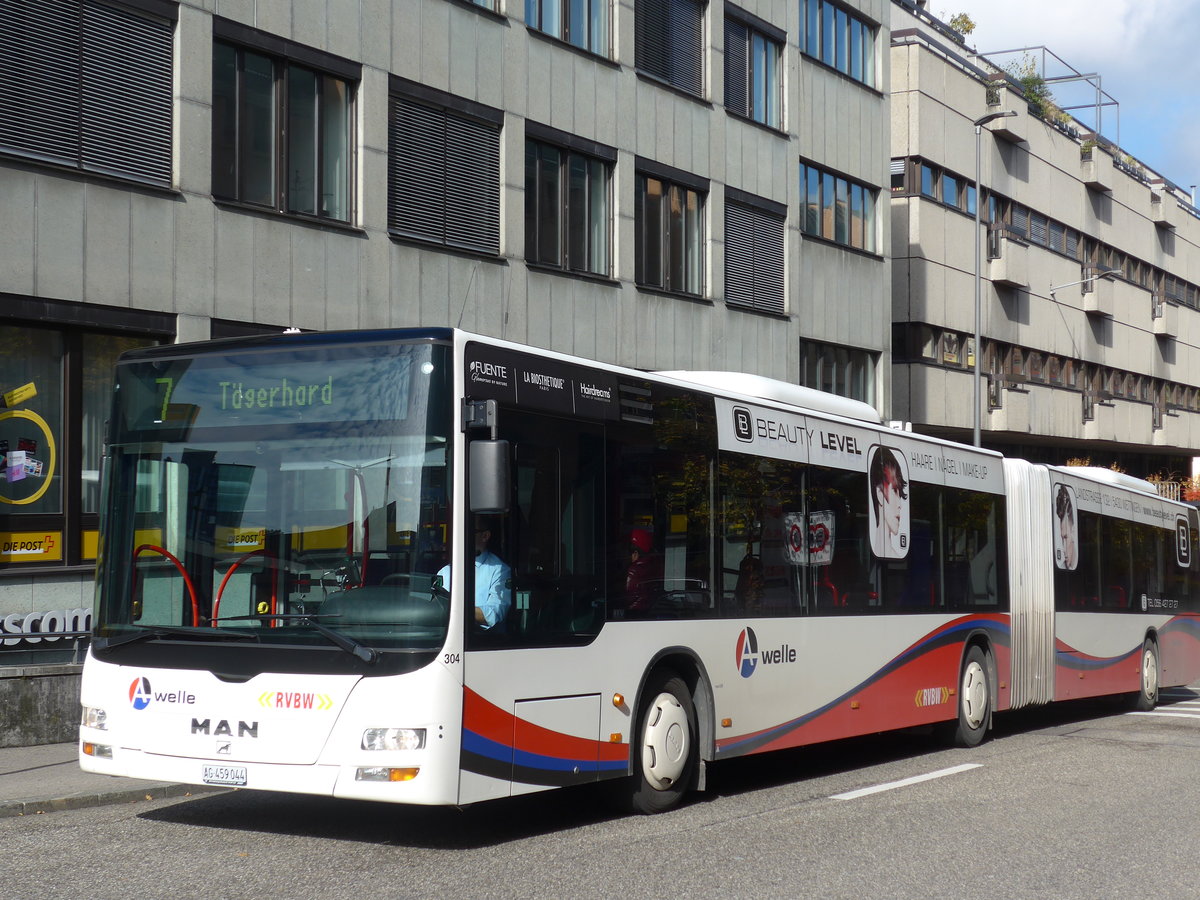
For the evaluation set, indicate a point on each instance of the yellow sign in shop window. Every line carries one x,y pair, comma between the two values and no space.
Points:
30,546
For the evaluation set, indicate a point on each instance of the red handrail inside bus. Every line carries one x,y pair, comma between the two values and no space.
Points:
274,566
182,571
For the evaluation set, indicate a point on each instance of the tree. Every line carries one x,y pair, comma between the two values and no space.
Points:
1037,92
962,23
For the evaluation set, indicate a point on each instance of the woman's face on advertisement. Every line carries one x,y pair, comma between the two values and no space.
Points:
1068,540
892,502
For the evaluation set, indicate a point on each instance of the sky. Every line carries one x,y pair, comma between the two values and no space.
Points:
1147,53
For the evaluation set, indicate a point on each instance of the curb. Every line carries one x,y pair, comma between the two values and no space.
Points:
14,808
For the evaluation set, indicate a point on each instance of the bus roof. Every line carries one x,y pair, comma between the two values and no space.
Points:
780,392
1109,476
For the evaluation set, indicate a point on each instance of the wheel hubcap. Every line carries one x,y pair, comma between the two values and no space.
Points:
974,695
1149,675
665,742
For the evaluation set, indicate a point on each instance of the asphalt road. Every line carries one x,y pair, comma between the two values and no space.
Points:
1077,801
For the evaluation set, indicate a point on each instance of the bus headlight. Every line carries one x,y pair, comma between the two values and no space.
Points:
94,717
379,773
393,739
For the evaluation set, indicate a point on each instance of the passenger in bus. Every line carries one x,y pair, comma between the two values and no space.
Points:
493,579
1064,509
889,492
644,579
748,592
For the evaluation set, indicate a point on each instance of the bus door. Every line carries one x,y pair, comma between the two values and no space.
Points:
532,713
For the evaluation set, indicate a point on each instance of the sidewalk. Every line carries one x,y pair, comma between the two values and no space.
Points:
48,778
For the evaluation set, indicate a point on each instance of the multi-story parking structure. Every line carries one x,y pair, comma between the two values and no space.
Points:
1088,271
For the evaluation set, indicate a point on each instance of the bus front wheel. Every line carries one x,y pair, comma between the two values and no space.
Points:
666,750
974,700
1147,696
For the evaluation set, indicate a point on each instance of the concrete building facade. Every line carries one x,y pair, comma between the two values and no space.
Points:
1090,292
658,184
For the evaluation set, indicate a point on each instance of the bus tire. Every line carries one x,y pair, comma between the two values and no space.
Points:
1147,695
666,749
974,700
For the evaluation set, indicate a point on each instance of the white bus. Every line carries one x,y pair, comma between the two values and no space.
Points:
657,571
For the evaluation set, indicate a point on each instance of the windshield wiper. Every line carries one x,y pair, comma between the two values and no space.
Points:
160,631
369,655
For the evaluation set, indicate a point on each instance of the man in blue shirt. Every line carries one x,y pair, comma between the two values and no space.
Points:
493,587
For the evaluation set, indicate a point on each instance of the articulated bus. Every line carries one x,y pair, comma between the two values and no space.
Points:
431,567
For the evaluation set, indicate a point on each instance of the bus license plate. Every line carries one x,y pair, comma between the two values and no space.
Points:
231,776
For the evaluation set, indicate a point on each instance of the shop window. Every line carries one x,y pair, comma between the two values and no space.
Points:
58,383
32,365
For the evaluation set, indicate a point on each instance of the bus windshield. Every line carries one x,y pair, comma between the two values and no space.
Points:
288,497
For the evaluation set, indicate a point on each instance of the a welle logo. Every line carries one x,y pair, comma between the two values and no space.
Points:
141,695
747,656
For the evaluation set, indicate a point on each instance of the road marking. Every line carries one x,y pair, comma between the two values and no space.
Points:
905,782
1168,715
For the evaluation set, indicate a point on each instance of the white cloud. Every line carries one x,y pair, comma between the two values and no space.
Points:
1146,52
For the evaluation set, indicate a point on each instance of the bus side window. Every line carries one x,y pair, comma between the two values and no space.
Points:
553,532
661,465
843,585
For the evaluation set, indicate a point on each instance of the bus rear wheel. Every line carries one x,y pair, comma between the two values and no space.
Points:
974,700
1147,696
665,752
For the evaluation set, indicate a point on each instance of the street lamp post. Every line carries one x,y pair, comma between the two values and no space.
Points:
978,410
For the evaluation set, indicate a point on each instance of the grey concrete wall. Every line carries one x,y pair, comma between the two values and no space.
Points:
73,238
39,704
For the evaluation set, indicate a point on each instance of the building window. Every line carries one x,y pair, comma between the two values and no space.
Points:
89,85
567,206
846,371
669,235
753,75
443,169
281,127
950,190
581,23
839,39
670,42
838,209
754,252
951,349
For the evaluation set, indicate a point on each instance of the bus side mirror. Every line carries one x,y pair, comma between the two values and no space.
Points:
489,476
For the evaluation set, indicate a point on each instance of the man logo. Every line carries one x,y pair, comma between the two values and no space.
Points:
747,652
139,693
743,424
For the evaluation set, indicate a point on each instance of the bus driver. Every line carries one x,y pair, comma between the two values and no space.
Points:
493,580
